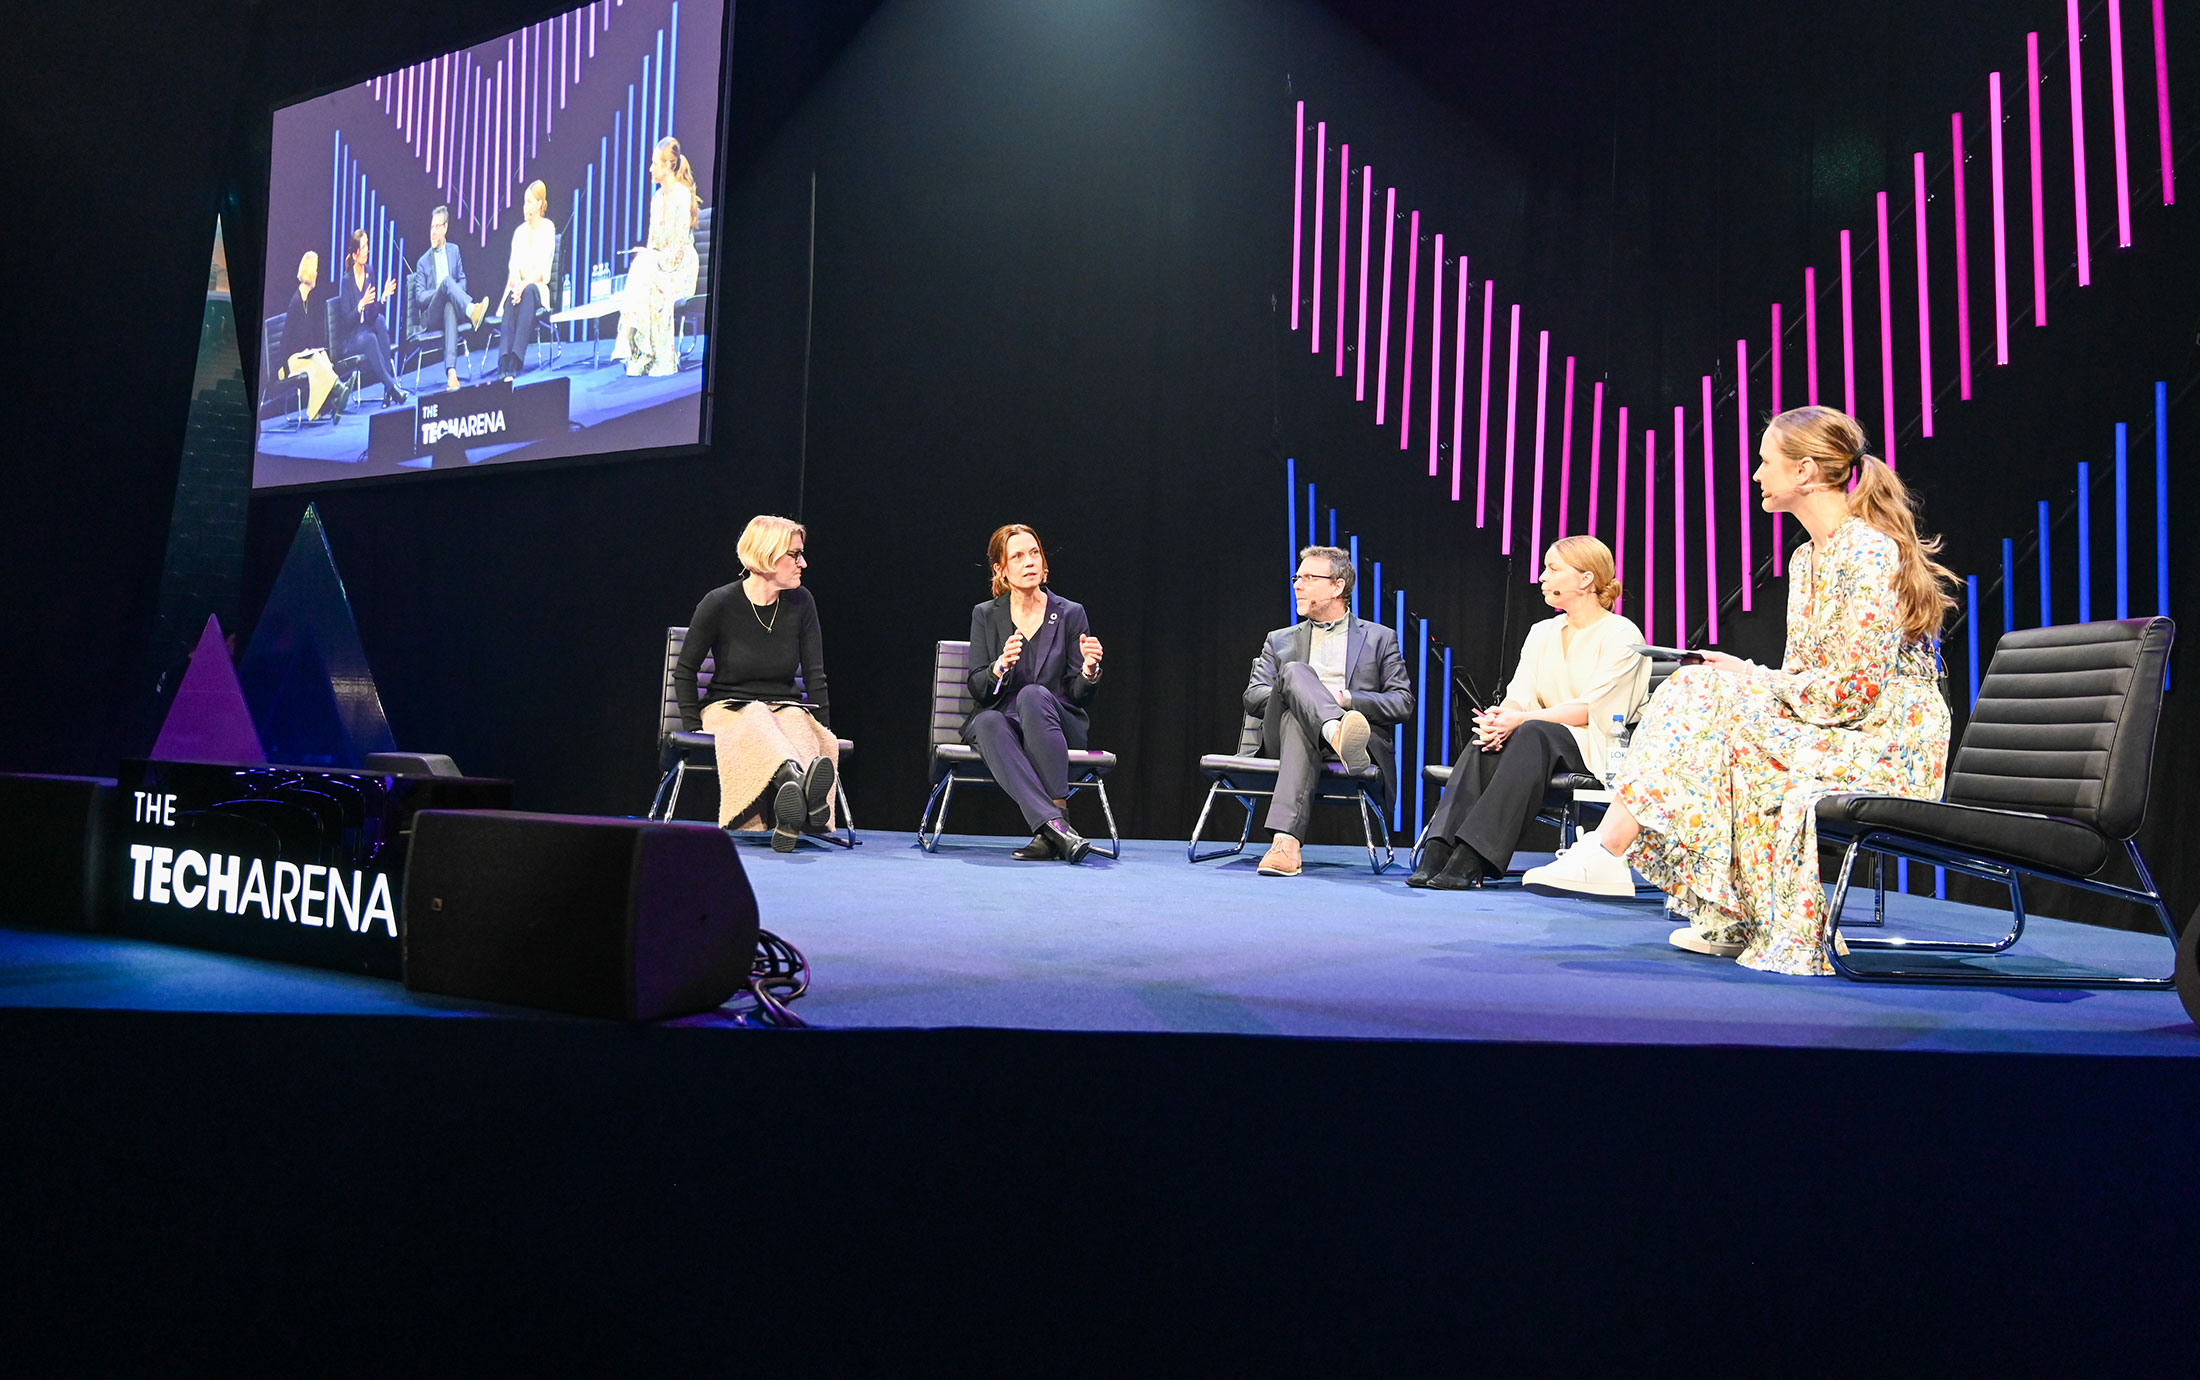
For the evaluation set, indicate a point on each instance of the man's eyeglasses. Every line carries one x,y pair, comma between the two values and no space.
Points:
1302,577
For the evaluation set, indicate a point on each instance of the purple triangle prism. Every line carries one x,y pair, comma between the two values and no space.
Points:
209,720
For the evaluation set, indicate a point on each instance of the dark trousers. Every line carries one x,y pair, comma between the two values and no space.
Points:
1298,705
452,306
1493,795
519,328
377,359
1026,746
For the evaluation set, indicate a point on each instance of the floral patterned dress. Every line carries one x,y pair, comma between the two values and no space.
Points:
1725,770
655,283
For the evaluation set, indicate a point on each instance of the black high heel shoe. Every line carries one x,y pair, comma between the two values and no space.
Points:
1066,841
1434,854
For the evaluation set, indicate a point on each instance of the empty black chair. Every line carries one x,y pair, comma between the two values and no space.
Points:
680,752
2049,780
956,763
1247,776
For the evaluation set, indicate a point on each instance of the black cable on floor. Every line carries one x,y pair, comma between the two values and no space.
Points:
779,975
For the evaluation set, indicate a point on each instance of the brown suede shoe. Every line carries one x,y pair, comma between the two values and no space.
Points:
1282,858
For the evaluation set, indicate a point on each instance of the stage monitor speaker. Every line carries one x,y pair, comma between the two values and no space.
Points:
618,918
53,832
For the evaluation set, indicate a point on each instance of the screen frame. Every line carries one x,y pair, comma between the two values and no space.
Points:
264,165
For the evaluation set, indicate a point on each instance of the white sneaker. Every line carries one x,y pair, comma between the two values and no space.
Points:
1686,938
1586,869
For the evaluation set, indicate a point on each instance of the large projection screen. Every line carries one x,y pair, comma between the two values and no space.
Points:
419,357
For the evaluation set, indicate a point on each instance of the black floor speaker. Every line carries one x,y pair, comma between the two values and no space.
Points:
619,918
53,833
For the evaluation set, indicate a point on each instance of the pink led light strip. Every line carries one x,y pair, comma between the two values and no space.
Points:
1459,378
1482,442
1924,302
2116,114
1779,546
1649,534
1413,296
1512,430
1711,520
1619,507
1382,347
1566,449
1344,224
1848,331
1596,448
1535,502
1741,448
1886,336
2039,206
2161,108
2001,223
1810,336
1680,522
1367,207
1963,267
1321,186
1298,204
2077,147
1435,349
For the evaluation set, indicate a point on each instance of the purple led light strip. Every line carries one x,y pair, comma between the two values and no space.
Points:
1848,331
1298,203
1367,207
1459,381
2039,207
1344,224
1436,348
1619,506
1886,336
1810,336
1596,448
2001,223
1413,296
1482,442
1321,186
1512,430
1566,448
1741,448
1535,501
1963,268
2077,147
1382,348
1649,533
2161,108
1680,521
1924,303
1779,547
1710,520
2116,115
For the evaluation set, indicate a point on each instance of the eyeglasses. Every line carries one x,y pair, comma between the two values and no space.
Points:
1302,577
797,557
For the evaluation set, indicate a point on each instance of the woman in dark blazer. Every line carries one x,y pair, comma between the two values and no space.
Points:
1034,664
361,325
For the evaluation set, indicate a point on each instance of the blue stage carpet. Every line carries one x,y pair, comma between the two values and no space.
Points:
968,937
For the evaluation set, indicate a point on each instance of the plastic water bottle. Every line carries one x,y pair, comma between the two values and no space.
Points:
1612,760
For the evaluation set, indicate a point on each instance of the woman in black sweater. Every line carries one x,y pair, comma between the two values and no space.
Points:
766,702
1034,664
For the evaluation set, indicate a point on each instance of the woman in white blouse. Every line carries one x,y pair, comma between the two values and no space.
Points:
527,288
1578,671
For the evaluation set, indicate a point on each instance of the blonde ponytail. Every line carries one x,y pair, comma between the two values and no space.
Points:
1833,442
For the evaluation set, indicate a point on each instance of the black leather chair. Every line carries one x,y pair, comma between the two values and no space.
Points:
283,398
955,762
690,311
1561,805
1247,776
2049,780
680,752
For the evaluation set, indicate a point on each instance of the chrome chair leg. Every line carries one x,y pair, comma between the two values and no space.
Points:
943,794
679,779
1191,850
1115,840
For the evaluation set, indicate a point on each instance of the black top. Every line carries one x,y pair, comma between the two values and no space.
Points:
1050,658
305,324
753,662
357,320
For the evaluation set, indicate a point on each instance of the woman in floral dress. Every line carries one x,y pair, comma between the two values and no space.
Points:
663,271
1716,804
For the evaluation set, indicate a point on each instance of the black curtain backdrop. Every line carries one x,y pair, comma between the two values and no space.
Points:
1051,286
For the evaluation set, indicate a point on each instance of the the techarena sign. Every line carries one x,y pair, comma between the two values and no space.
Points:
293,863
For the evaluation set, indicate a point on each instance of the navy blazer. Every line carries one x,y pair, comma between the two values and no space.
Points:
1374,673
1062,671
424,284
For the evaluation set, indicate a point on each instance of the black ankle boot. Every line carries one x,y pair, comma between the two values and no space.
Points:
1434,854
1038,850
1463,871
1066,841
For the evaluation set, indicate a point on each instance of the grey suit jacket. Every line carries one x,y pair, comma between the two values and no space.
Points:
1374,673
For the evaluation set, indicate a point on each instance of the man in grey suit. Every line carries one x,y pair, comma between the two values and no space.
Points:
439,289
1325,688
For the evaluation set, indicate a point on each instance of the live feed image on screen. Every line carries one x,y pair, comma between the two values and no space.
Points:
496,254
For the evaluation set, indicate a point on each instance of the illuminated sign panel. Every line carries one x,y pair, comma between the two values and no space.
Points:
292,863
